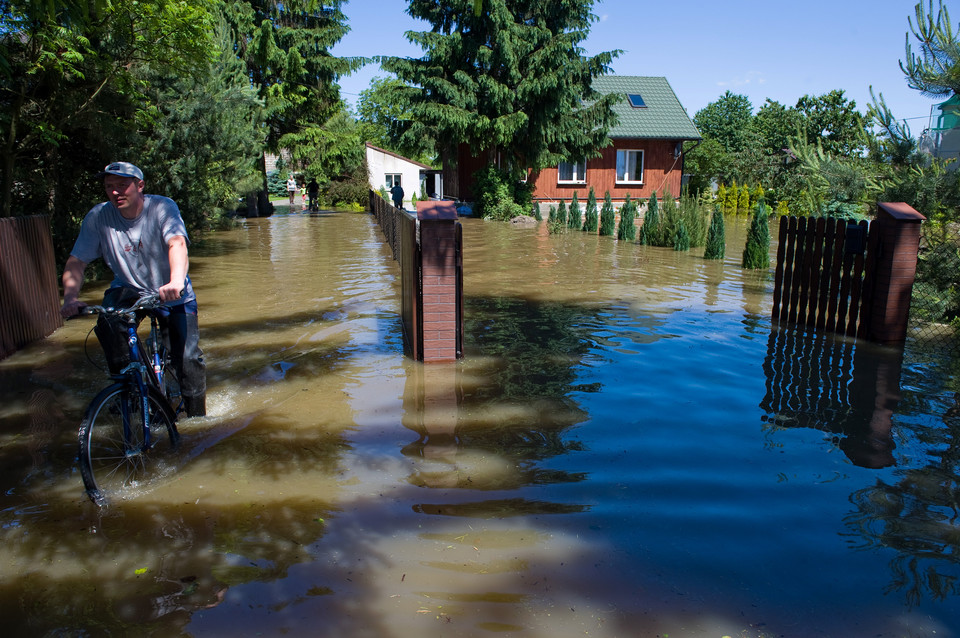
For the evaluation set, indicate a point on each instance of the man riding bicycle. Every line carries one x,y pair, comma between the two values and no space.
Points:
143,240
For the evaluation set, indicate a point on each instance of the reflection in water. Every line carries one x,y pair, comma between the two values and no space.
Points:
829,383
593,467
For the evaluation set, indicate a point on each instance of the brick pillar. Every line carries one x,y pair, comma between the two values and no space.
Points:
439,236
898,225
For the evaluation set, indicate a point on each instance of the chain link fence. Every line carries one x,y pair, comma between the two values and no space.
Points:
935,305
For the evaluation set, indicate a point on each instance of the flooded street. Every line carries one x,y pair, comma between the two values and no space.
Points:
628,449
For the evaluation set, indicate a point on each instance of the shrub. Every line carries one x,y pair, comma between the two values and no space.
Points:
536,211
573,217
695,219
650,230
716,238
499,196
756,254
607,216
591,221
627,229
562,213
681,240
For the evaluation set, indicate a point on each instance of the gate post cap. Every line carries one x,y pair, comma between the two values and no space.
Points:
436,210
901,211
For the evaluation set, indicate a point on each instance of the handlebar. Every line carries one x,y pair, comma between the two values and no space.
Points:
146,302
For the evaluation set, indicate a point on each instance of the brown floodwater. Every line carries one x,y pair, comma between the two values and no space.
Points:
629,448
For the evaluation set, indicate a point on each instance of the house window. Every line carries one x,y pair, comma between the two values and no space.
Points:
636,101
629,167
572,172
393,179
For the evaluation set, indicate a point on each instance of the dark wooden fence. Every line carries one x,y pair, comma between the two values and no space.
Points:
29,295
852,278
428,246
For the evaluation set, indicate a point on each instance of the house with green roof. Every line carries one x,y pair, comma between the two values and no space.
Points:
646,153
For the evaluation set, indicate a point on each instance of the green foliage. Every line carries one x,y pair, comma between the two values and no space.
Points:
607,216
535,212
681,240
727,121
695,219
627,229
758,194
562,213
743,199
509,81
650,230
783,208
499,196
574,219
935,72
756,254
732,199
591,220
716,238
348,190
384,122
552,215
834,185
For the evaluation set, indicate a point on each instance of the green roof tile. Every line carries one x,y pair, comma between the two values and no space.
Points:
662,118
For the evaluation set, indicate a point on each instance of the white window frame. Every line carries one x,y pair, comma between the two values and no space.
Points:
622,164
579,172
392,179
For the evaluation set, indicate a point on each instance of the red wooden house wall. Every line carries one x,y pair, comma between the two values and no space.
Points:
661,171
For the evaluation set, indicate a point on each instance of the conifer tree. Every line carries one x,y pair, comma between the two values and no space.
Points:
716,236
574,220
562,213
758,194
536,211
591,221
721,200
627,230
607,216
783,208
743,200
650,230
681,240
756,254
510,81
733,196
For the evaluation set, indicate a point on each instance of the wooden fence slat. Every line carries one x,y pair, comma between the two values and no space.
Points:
801,226
816,268
778,272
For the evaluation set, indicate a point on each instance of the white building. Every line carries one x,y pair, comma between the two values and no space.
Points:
387,169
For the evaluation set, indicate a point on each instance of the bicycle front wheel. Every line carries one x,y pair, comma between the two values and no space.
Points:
117,455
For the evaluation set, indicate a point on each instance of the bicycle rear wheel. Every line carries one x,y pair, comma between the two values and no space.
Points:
114,457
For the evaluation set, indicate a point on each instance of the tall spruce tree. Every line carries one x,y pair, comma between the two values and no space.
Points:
591,221
512,81
608,222
650,230
286,47
562,213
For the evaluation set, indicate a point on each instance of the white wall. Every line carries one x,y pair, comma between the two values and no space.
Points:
380,164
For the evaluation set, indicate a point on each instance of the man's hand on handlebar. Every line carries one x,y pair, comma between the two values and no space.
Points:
170,292
71,308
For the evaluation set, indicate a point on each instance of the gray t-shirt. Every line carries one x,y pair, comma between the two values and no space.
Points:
134,249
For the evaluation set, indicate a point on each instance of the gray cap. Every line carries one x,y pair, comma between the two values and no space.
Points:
123,169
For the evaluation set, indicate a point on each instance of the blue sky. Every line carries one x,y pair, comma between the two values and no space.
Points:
761,49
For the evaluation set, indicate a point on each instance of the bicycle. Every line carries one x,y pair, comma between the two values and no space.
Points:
131,422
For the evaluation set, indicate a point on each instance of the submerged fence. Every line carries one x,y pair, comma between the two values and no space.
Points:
429,248
29,296
852,278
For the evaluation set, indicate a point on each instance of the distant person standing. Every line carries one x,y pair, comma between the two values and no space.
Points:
292,188
313,192
397,193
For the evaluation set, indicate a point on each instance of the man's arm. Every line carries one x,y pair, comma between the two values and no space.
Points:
179,262
72,282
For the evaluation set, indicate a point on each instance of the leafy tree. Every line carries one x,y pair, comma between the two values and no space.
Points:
607,216
68,90
756,253
591,221
834,121
627,229
574,219
716,237
706,163
727,121
510,82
